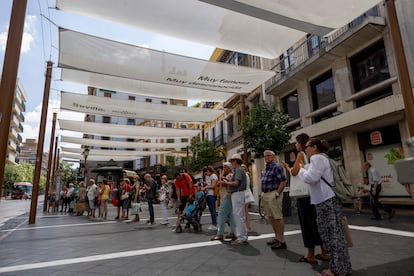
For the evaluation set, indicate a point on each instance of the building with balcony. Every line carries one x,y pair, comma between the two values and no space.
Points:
145,162
16,128
345,88
28,152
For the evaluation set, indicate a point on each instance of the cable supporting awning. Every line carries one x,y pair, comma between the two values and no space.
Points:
125,131
257,27
121,144
133,109
89,53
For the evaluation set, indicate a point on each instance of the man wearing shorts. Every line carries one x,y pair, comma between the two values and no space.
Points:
273,183
184,188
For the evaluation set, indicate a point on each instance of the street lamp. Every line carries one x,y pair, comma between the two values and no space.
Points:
85,154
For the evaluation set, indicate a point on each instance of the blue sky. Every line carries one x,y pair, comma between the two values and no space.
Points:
40,43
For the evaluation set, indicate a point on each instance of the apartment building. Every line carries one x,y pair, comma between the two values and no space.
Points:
345,88
16,127
148,161
28,154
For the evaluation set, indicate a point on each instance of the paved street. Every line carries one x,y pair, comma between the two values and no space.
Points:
62,244
12,208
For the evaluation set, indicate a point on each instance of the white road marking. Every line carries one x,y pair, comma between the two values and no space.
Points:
57,226
382,230
125,254
10,231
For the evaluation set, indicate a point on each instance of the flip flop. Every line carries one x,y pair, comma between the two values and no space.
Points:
319,257
303,259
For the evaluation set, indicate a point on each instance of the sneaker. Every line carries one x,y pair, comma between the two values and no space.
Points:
239,242
279,245
212,228
391,214
164,222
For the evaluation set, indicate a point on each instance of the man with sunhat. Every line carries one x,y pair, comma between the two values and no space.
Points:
237,185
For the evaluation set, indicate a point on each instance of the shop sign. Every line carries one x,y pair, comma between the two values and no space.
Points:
376,138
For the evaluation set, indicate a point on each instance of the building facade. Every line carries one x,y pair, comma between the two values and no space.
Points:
28,154
16,127
345,88
148,161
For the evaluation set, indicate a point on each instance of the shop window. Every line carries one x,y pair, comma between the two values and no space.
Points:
323,91
106,119
323,94
230,128
370,66
131,98
131,122
291,105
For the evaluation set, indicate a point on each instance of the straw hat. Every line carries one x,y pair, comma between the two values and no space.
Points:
236,156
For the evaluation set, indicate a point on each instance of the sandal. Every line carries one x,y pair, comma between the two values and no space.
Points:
303,259
272,242
326,272
322,258
231,236
217,238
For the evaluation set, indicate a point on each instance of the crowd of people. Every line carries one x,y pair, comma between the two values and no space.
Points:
228,194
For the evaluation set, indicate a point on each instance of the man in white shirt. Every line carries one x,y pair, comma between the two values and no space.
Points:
374,178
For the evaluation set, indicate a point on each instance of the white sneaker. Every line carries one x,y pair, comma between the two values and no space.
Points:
212,228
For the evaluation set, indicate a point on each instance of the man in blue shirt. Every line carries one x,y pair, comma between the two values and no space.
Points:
273,183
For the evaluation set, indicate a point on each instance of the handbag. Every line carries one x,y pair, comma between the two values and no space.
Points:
162,197
298,188
348,236
248,196
125,196
134,208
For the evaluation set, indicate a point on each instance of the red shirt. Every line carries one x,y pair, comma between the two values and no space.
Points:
183,185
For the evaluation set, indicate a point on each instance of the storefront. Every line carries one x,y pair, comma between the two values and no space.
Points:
382,147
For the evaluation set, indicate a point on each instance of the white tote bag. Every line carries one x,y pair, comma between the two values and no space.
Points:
298,188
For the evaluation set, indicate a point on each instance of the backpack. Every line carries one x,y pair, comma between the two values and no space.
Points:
342,187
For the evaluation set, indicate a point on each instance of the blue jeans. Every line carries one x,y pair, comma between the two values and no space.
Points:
375,204
225,212
151,209
211,202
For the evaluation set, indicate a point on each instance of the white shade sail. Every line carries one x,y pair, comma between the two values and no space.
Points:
120,144
80,157
150,89
98,55
258,27
125,131
132,109
113,152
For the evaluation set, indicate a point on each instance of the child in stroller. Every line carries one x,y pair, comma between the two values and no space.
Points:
194,212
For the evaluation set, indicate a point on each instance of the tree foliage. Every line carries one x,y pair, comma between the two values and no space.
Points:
264,128
67,173
204,153
10,176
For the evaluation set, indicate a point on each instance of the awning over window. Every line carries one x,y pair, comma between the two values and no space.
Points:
113,152
257,27
120,144
132,109
97,55
125,131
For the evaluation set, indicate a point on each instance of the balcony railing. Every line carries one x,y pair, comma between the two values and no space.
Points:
294,57
21,127
22,117
19,137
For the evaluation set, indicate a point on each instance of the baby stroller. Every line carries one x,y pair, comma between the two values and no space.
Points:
194,218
